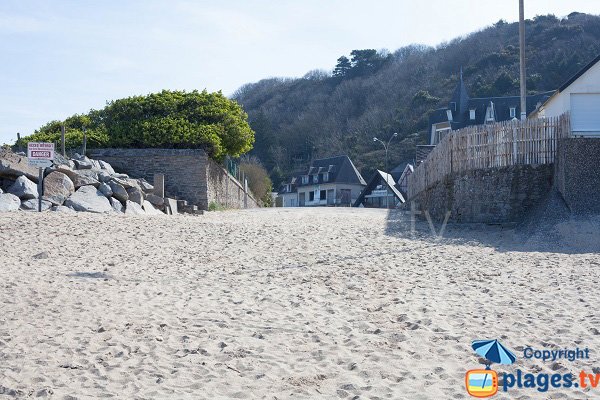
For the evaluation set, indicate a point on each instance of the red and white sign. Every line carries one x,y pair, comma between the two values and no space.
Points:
40,154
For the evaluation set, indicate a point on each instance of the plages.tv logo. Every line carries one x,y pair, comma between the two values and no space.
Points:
483,383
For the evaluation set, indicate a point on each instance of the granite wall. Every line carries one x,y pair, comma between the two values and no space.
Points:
577,174
189,174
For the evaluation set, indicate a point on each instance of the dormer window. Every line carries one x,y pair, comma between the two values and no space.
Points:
304,179
315,178
489,113
326,177
453,106
472,115
513,112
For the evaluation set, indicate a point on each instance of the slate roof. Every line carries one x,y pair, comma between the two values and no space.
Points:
340,169
379,177
461,114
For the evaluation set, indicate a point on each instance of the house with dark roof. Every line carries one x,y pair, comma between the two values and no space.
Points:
463,111
380,192
333,181
580,96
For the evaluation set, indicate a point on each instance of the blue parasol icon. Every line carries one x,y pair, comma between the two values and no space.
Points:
493,351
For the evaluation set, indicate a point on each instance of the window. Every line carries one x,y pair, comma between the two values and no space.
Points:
449,114
325,177
513,112
472,115
323,195
316,178
490,114
304,179
453,106
311,196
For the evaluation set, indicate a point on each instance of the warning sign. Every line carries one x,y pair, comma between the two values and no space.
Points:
40,154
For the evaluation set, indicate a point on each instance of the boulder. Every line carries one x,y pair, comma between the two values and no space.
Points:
1,191
155,200
95,165
32,205
132,208
105,189
136,195
57,188
146,187
13,166
9,202
116,205
89,199
150,210
60,160
119,191
106,166
120,176
85,177
104,176
24,189
83,163
63,209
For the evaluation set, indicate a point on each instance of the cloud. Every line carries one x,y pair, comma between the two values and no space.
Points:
20,24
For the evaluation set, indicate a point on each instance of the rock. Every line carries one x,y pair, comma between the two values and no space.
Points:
83,163
106,166
1,191
136,195
13,166
150,210
32,205
120,176
95,165
155,200
104,176
42,256
60,160
119,191
57,188
132,208
146,187
105,189
89,199
116,205
63,209
24,189
9,202
84,178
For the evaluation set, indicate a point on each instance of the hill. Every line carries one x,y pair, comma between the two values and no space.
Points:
375,93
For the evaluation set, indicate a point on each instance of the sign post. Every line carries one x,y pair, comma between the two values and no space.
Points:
40,155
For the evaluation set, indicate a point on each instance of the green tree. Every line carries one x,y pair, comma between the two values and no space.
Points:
343,67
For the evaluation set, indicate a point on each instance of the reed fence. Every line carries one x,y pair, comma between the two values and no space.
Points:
502,144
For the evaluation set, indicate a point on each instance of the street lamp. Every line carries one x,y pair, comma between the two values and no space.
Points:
386,146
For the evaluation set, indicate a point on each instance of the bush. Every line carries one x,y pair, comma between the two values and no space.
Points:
214,206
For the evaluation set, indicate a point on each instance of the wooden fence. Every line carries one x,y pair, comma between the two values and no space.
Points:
502,144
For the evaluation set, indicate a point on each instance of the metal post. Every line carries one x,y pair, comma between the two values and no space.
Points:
84,150
522,56
62,140
40,187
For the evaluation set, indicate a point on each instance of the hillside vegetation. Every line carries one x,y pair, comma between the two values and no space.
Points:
375,93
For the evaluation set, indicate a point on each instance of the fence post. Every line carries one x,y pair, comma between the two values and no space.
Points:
84,149
62,140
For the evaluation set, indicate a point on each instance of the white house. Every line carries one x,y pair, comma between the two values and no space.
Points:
580,95
331,181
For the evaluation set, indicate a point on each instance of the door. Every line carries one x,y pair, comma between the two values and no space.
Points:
585,114
330,197
302,199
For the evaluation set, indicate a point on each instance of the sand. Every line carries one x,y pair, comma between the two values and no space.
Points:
284,304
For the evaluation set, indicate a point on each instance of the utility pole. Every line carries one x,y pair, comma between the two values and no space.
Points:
522,56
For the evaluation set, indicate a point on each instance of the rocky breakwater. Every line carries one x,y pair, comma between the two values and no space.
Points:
73,185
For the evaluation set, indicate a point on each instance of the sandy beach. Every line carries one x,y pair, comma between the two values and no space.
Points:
284,304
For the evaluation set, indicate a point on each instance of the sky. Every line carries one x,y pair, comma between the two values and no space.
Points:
62,57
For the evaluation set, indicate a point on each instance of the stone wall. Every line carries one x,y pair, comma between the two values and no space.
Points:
577,174
498,195
189,174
